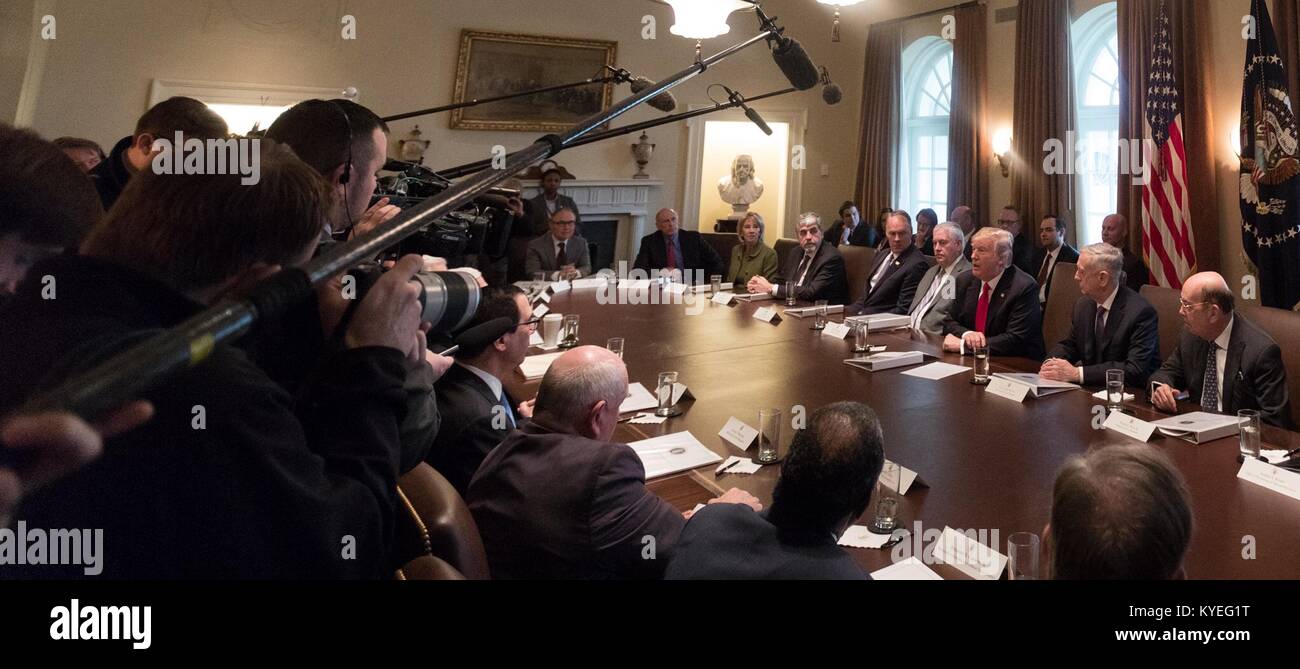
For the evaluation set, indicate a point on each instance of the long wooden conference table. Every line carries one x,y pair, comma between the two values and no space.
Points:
989,462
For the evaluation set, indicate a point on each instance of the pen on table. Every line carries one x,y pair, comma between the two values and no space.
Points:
720,472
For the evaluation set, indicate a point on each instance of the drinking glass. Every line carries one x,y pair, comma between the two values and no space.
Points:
819,322
1022,556
981,364
1114,390
769,436
664,392
887,498
615,345
1248,423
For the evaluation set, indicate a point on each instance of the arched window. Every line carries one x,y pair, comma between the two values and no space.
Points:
925,103
1095,44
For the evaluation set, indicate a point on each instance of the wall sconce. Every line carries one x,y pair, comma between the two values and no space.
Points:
1002,149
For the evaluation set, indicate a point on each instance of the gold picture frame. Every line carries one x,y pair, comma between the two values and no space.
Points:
493,63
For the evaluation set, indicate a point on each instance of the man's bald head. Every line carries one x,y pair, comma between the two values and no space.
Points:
963,217
1207,304
582,391
1114,230
666,221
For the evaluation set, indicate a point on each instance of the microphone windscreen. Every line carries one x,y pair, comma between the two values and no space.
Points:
795,64
664,102
832,94
484,333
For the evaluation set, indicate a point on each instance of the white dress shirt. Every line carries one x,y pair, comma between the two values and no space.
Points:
1221,358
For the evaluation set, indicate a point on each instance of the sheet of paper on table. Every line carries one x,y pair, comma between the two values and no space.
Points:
534,366
742,466
936,370
638,399
673,453
910,569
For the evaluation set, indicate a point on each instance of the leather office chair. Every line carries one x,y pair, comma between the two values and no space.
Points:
784,247
1284,327
1061,299
433,520
857,262
1165,301
722,243
428,568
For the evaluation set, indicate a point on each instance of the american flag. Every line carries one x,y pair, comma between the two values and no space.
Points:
1167,241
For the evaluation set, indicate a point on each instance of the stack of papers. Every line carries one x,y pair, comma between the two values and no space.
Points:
877,322
1198,427
753,297
887,360
801,312
534,366
673,453
1038,386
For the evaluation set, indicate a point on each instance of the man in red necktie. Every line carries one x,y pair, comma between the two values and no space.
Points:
997,304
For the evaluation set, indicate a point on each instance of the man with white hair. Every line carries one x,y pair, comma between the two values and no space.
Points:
1112,327
1223,362
996,304
937,291
558,499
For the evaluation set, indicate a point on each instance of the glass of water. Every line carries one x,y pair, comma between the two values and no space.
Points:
981,365
664,393
860,338
887,498
789,293
615,345
1248,424
1114,390
715,283
1022,556
570,331
769,436
819,317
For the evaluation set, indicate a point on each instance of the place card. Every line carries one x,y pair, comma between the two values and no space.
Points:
681,392
907,478
738,434
969,556
541,310
836,330
1129,426
1274,478
767,315
559,286
544,296
1007,388
723,298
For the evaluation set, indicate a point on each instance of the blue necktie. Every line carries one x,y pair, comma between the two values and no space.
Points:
1210,391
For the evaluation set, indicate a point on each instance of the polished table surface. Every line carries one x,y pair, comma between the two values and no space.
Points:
989,463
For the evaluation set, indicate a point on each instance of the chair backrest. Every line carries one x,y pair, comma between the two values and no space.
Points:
784,247
1165,301
428,568
722,243
1060,303
931,261
1284,327
433,520
857,263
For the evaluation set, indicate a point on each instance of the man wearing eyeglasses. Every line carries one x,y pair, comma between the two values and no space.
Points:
477,412
1224,361
561,253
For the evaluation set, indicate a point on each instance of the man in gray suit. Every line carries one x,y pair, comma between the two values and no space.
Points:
561,253
936,291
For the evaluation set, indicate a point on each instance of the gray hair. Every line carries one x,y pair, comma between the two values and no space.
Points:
1003,242
810,218
561,209
903,215
954,230
758,218
1107,257
566,395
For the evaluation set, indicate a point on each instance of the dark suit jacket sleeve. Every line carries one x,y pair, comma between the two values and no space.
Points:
1024,328
1172,372
908,291
823,282
1143,348
1268,381
952,321
643,261
624,513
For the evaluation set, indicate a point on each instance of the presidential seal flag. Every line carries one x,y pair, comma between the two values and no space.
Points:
1270,223
1167,241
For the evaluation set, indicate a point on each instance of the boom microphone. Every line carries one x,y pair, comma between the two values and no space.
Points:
795,63
831,92
739,100
664,102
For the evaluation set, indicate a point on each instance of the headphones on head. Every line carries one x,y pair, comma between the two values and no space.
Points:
347,167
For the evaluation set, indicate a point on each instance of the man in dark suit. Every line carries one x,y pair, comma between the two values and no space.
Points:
679,251
825,486
1053,249
1114,231
1112,327
848,229
560,253
477,412
997,304
557,499
816,268
893,277
1247,371
964,217
540,209
1022,250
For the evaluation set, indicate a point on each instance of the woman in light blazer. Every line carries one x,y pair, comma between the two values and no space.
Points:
751,257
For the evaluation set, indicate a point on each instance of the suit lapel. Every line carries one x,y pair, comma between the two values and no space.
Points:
1236,348
1112,321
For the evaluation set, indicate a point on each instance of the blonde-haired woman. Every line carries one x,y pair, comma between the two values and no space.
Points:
751,257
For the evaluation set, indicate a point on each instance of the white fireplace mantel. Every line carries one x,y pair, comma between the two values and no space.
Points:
627,200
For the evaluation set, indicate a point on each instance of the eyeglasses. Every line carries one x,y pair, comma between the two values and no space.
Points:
1184,305
531,324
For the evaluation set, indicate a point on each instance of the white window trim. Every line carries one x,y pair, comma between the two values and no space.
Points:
1089,35
919,59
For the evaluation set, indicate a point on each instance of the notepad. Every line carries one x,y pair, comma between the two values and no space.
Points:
534,366
1198,427
673,453
877,322
887,360
753,297
803,312
937,370
1038,386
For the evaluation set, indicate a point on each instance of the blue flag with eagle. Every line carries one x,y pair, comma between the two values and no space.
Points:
1270,169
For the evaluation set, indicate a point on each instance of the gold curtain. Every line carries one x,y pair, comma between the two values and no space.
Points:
969,151
878,130
1043,110
1190,43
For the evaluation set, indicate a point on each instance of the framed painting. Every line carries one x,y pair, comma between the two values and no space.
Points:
493,64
